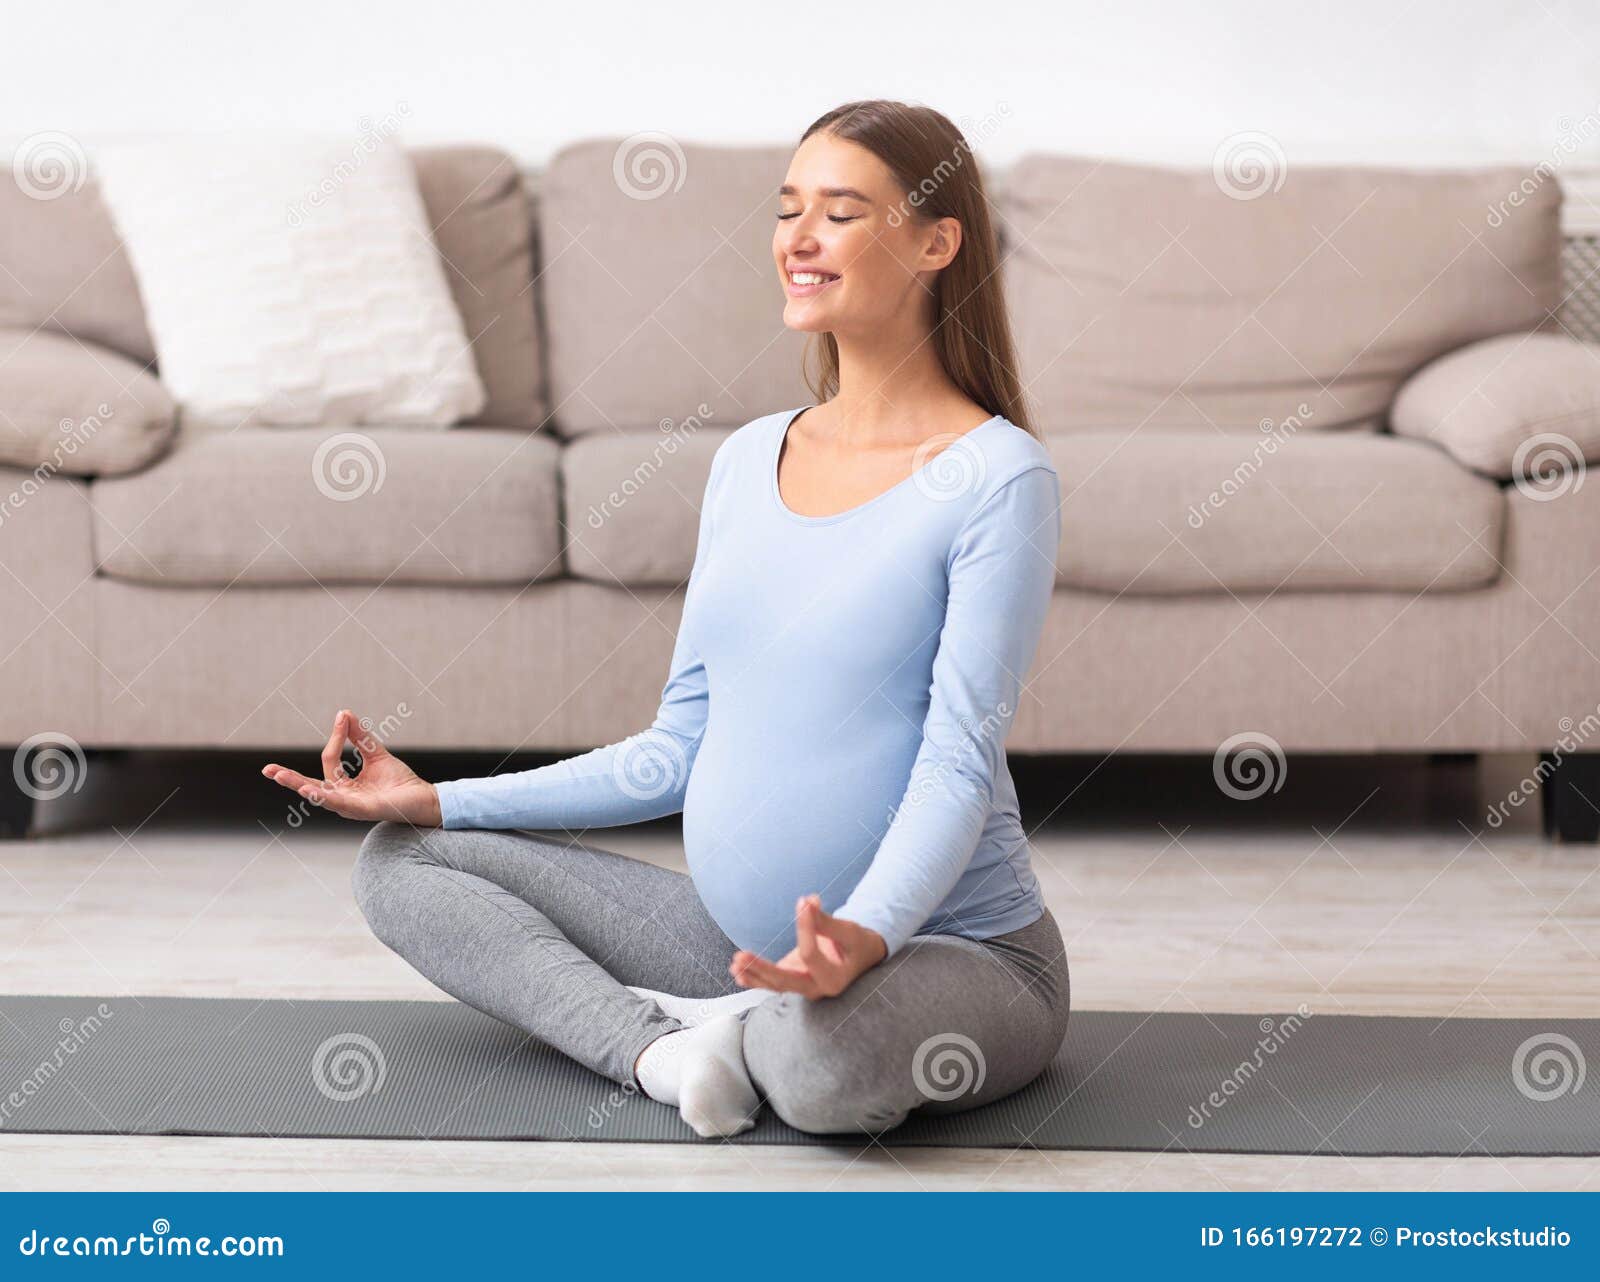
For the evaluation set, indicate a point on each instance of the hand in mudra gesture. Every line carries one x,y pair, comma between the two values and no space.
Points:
829,955
386,788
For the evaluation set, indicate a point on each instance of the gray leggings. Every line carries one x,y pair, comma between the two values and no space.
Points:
545,934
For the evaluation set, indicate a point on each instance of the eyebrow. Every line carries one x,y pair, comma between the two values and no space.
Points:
849,193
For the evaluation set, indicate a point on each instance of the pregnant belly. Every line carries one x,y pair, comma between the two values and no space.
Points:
762,829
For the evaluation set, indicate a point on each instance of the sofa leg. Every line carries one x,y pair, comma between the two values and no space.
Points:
16,806
1569,798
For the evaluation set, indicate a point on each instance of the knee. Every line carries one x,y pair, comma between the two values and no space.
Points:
817,1076
810,1107
386,847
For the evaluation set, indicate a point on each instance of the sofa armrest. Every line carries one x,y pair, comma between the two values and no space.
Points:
1486,403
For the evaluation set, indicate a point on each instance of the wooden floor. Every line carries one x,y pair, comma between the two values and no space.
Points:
1363,886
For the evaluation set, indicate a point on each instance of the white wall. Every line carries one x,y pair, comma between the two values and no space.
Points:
1361,79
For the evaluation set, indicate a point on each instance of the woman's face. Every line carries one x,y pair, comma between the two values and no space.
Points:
852,255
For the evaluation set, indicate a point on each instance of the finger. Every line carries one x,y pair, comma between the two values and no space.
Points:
364,736
290,779
756,972
805,937
347,805
334,750
828,937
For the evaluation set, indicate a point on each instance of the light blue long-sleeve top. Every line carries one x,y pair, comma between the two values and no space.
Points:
840,694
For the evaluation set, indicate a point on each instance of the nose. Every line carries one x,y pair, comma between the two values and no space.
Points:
796,237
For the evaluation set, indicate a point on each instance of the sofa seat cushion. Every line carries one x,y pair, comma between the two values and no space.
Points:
1155,511
1158,510
307,505
633,503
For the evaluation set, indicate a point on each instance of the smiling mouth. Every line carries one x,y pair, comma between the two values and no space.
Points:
805,284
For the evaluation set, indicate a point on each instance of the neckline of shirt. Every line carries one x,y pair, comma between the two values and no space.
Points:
800,518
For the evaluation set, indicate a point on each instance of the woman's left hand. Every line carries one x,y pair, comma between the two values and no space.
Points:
830,954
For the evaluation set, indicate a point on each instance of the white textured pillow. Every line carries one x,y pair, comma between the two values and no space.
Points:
291,280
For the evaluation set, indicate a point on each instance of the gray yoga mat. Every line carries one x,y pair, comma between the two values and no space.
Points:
1334,1084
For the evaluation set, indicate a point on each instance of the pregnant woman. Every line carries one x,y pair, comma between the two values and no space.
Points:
861,933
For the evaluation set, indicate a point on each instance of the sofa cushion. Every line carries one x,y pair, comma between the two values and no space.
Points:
632,504
1153,296
285,284
70,406
1152,512
1488,402
306,505
660,292
483,226
1163,510
63,266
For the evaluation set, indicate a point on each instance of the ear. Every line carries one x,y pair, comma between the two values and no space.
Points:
944,240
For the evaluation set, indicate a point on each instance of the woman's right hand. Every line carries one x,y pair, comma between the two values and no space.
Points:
386,788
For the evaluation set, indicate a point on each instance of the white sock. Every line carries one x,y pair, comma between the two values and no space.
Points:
694,1011
702,1071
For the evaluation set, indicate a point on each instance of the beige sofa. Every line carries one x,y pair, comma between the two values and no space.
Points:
1289,463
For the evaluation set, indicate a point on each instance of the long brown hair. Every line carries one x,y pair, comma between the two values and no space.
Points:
934,165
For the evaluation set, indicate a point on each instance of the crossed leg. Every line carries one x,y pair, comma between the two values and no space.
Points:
549,937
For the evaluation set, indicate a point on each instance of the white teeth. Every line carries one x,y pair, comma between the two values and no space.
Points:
809,278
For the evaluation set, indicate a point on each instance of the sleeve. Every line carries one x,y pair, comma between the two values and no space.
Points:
641,777
1002,571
